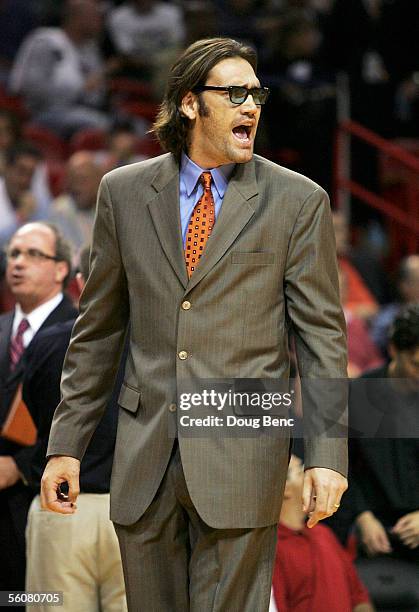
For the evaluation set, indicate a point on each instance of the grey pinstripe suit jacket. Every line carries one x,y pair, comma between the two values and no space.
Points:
270,260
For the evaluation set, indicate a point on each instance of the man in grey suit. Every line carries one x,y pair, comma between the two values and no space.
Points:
196,517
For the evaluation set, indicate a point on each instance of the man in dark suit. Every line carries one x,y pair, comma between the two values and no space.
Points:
385,448
38,266
98,581
383,500
196,516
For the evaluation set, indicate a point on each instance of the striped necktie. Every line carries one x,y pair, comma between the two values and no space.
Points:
16,345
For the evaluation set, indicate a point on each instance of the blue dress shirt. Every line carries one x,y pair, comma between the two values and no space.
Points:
190,188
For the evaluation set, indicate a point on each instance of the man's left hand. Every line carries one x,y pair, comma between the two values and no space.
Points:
9,472
407,528
322,492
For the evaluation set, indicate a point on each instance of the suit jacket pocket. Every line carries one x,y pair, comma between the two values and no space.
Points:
129,398
258,258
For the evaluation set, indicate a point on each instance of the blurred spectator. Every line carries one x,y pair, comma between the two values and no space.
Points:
408,289
38,265
298,39
10,136
384,476
122,147
73,211
359,300
200,20
362,352
240,19
355,40
60,71
302,112
312,571
17,19
96,582
149,35
375,43
368,253
18,202
363,37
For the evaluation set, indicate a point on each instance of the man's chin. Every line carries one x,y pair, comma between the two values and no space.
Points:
242,156
19,293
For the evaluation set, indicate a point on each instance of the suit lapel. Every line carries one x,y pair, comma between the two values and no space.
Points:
236,211
64,311
5,333
165,213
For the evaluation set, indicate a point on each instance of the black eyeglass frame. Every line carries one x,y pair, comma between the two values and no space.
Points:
232,88
32,253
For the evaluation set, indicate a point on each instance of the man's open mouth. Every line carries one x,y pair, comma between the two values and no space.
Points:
242,133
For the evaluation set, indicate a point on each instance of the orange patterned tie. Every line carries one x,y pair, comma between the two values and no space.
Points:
200,225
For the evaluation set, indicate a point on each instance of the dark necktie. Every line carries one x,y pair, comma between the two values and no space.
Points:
16,345
200,225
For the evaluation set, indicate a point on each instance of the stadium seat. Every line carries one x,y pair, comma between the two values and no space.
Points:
130,89
13,104
88,140
50,145
143,109
149,147
56,176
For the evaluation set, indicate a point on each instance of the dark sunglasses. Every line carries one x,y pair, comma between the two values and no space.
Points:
237,93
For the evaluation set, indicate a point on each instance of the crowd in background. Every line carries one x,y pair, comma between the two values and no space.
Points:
80,83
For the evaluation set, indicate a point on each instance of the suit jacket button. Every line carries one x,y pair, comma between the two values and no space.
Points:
183,355
172,408
186,305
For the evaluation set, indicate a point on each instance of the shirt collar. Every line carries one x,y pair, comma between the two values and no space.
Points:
36,317
190,172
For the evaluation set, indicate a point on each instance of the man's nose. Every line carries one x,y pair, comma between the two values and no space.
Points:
249,106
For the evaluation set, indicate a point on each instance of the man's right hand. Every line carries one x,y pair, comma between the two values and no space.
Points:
373,535
60,469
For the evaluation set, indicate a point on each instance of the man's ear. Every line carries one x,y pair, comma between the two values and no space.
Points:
80,281
189,106
61,271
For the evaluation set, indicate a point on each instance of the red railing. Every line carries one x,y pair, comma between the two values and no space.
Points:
406,213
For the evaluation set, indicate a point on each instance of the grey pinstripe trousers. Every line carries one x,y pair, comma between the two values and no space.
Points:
174,562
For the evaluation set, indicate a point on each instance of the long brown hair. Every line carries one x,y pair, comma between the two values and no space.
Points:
189,70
